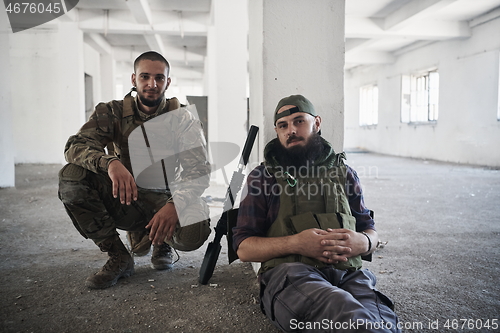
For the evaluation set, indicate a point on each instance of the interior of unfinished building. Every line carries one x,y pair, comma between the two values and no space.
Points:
408,89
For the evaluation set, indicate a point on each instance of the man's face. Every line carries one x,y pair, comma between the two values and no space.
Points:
296,129
151,80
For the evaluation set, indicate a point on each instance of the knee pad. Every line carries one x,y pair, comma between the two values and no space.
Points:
69,189
72,172
190,237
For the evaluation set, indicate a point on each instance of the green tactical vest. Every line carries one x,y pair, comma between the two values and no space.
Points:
314,200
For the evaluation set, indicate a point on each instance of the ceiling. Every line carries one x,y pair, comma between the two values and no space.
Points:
377,31
126,28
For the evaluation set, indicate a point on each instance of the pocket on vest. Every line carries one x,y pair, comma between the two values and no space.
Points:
323,221
347,221
329,220
304,221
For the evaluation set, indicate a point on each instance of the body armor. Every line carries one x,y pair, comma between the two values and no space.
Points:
314,200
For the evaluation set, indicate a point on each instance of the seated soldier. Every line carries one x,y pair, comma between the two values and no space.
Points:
305,220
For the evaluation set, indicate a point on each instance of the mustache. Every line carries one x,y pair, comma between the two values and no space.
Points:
294,138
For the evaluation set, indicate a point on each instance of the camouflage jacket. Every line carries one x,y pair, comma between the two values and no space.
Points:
109,127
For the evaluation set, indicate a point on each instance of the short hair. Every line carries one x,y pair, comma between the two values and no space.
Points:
153,56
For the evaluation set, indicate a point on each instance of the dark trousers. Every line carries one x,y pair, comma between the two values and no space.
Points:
300,298
89,202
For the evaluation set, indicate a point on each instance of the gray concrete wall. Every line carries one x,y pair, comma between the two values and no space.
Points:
467,130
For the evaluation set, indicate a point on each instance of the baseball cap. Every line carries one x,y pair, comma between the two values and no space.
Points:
301,104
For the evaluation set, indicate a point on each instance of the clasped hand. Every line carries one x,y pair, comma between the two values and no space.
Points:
332,245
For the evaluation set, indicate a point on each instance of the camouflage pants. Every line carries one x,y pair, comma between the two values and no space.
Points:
89,202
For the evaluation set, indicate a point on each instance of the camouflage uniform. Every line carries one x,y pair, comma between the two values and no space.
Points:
86,189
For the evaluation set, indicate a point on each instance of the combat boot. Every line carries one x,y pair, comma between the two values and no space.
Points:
119,265
162,257
139,242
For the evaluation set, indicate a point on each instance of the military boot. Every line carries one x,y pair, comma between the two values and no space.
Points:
119,265
139,242
162,257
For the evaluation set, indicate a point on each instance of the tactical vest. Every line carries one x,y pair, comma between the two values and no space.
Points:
314,200
128,121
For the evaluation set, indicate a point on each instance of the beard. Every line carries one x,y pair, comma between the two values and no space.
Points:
299,156
148,102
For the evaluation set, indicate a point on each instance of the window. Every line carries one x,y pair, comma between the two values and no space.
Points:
368,105
420,97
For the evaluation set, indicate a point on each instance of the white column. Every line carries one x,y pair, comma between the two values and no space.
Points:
108,74
297,47
124,77
7,172
70,65
47,90
227,54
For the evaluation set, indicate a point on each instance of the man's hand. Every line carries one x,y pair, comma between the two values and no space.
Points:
123,182
163,224
322,245
330,246
342,244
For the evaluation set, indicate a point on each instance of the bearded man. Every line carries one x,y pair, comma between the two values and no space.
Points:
98,187
305,220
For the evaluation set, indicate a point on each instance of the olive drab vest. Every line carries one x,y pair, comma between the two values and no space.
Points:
316,199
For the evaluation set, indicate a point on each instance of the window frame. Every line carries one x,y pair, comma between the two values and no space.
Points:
420,97
368,116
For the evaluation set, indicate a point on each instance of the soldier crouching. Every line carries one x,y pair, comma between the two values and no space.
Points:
100,193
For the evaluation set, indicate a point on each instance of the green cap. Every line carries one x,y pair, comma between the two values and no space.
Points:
301,104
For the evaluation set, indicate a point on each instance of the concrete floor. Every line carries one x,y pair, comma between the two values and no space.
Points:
441,223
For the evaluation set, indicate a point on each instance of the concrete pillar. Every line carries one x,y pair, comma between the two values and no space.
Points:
124,78
72,81
108,75
47,90
227,56
297,47
7,172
